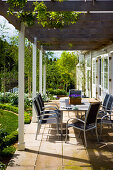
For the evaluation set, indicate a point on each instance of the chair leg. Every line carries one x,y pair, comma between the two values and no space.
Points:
38,129
66,133
101,128
79,134
85,138
97,135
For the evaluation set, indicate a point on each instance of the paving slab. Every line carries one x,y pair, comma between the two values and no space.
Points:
49,152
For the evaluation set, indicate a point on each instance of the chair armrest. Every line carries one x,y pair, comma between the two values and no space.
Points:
106,116
51,104
76,119
52,111
50,107
109,110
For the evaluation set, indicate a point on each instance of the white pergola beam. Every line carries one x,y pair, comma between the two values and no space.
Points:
34,78
21,143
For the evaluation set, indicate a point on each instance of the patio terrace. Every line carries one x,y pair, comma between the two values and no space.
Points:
49,152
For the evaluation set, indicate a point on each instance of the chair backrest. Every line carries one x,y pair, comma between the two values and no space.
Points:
92,112
40,97
106,100
40,102
36,106
110,103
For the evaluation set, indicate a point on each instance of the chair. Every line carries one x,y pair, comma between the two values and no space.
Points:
106,118
44,118
53,105
104,106
89,123
51,110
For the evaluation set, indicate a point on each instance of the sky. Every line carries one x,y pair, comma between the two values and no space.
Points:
10,29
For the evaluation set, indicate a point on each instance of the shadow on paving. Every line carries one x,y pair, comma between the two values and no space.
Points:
57,155
100,153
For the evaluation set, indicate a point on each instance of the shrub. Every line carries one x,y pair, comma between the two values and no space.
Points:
9,108
2,166
27,101
57,91
5,98
8,151
14,99
11,138
45,98
3,134
27,118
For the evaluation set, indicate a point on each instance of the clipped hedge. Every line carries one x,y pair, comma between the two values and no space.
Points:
6,141
11,139
8,151
9,108
27,118
57,91
2,166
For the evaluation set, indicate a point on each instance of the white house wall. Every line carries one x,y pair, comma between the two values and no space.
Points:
106,52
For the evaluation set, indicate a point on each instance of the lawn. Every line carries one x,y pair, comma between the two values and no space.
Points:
8,121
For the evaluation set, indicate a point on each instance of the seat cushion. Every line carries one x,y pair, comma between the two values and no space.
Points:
80,125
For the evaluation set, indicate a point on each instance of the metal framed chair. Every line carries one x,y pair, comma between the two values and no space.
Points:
104,106
47,108
44,117
88,124
108,113
47,105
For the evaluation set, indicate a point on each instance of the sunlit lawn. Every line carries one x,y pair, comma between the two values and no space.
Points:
8,121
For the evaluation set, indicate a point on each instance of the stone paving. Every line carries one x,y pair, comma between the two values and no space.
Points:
49,152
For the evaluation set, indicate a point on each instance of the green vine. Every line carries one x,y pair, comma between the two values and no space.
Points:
16,3
50,19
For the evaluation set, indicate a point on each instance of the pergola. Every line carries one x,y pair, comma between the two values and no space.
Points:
93,30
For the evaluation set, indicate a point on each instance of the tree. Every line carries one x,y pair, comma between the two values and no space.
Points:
28,66
67,68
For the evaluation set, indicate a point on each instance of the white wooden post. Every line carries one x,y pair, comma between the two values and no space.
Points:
111,72
34,79
21,143
40,71
44,79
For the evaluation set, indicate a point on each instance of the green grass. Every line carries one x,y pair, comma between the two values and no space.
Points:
8,121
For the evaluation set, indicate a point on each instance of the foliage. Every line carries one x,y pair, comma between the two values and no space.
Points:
57,91
9,108
8,65
46,18
4,98
11,138
27,118
14,99
67,69
3,134
5,144
54,19
2,166
16,3
8,151
7,140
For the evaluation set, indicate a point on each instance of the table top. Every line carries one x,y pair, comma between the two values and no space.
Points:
85,102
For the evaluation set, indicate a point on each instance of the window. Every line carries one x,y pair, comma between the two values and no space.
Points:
94,72
105,73
102,66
